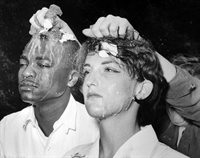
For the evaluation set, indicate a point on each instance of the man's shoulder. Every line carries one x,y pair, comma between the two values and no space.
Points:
163,151
81,109
16,116
84,116
80,106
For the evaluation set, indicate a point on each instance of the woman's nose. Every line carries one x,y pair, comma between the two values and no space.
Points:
92,79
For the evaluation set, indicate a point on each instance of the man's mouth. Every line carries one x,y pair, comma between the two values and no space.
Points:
27,85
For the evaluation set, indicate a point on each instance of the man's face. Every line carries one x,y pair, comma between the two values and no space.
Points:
43,74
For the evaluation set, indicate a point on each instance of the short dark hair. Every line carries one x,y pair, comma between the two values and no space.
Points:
51,38
141,62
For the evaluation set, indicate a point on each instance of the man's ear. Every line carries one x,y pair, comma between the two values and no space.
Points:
73,78
143,89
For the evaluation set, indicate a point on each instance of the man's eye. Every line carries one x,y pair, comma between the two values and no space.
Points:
43,65
22,64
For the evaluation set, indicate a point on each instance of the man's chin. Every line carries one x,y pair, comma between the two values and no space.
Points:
28,98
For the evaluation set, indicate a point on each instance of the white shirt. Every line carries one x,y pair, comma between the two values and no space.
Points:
21,137
143,144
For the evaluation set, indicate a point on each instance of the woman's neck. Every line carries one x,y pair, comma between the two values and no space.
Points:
115,131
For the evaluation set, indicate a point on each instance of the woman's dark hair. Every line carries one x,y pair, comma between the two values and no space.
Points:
141,62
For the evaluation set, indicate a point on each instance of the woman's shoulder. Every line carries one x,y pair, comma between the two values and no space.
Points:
81,151
163,151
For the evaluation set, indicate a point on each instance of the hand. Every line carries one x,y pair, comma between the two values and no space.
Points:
48,18
113,26
175,118
37,19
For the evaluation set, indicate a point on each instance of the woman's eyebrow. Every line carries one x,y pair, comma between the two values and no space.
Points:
86,65
111,62
108,62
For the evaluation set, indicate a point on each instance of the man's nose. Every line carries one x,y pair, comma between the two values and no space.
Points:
29,72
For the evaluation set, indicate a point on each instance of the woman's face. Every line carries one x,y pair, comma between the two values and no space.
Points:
107,89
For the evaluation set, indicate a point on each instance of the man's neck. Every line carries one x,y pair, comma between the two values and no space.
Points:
48,112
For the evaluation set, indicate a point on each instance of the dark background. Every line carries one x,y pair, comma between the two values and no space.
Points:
171,25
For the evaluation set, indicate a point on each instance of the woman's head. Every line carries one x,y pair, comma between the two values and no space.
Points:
118,72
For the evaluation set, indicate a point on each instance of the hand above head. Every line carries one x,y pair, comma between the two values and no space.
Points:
44,19
113,26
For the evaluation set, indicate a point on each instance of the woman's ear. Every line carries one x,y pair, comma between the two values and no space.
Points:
73,78
143,89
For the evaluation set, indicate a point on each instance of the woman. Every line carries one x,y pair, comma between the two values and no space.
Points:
122,86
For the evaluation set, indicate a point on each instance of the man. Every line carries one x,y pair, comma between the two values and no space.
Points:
55,122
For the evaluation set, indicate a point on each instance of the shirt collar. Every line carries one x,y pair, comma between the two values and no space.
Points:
141,144
68,118
30,118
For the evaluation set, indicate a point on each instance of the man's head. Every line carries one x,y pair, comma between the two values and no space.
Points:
46,67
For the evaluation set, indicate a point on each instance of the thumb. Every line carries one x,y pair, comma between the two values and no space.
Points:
88,33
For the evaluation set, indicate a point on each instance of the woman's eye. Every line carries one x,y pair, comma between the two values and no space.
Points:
85,72
107,69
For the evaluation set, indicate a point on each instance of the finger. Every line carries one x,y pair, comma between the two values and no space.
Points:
32,30
91,26
112,25
122,31
113,29
136,34
88,33
105,28
41,14
130,34
95,28
33,23
37,22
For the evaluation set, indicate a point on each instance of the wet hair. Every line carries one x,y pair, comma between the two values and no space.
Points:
188,62
49,41
141,62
